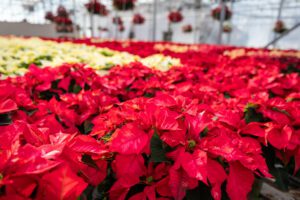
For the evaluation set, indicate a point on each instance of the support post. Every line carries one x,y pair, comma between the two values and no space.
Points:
223,12
154,20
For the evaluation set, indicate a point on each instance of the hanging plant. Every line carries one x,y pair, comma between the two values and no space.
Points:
104,29
279,27
97,8
121,28
63,23
138,19
117,20
227,28
49,16
216,13
62,12
187,28
175,17
124,4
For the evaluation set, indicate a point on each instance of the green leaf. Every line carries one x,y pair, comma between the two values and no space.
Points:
108,66
107,53
256,188
226,95
291,68
158,153
87,159
251,115
86,127
5,119
76,89
281,178
202,191
73,87
148,95
204,132
24,65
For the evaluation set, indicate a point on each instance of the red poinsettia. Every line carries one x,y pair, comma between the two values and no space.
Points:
117,20
95,7
49,16
175,16
216,13
187,28
62,12
279,27
138,19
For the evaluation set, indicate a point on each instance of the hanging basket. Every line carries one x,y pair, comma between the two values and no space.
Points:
187,28
279,27
63,23
175,17
138,19
117,21
121,28
123,5
227,28
62,12
96,8
216,13
49,16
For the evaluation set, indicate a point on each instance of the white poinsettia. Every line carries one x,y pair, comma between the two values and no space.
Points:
16,54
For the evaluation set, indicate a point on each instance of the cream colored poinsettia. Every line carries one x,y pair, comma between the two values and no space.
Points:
16,54
161,62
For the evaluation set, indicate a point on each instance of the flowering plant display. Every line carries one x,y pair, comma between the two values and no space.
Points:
138,19
279,27
187,28
209,128
216,13
124,4
95,7
175,17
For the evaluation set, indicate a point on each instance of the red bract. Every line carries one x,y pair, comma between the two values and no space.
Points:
240,181
129,140
61,184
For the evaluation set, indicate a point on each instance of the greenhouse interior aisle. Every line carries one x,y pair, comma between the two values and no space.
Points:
149,100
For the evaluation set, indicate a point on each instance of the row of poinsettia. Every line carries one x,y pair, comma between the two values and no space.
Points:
211,126
16,54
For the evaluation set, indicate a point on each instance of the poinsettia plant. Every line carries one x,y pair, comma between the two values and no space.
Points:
62,20
279,27
95,7
138,19
117,20
175,16
49,16
187,28
216,13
